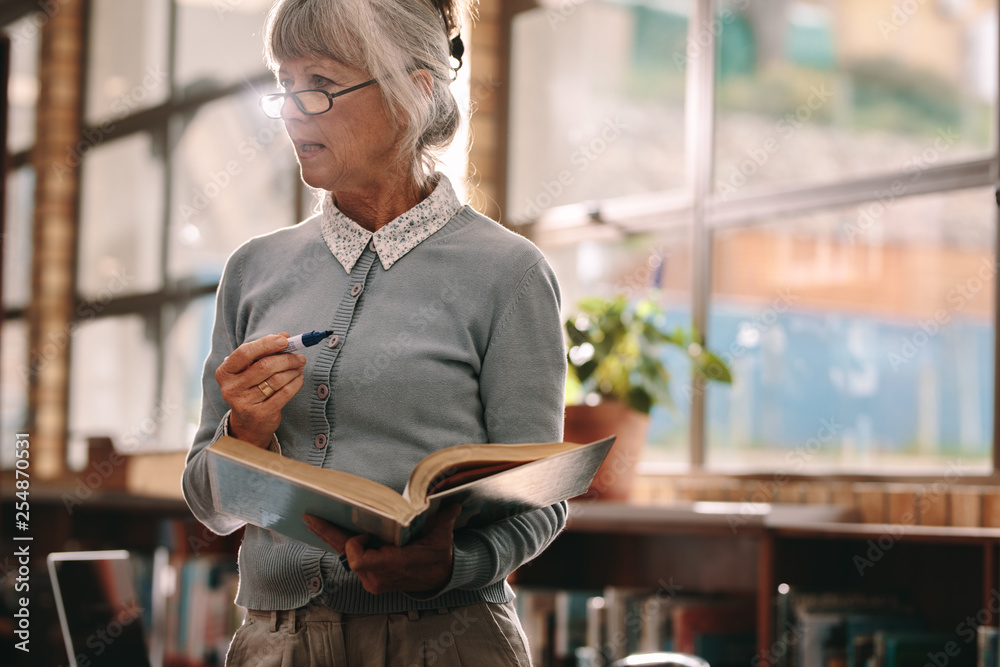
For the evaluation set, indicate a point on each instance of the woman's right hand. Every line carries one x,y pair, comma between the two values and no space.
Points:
255,407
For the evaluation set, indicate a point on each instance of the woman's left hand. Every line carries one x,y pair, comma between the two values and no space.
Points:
421,567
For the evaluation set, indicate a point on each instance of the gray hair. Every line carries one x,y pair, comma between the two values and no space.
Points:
389,39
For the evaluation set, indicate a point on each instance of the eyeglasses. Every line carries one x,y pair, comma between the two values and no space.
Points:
309,102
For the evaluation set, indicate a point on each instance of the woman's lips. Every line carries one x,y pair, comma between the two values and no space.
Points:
306,150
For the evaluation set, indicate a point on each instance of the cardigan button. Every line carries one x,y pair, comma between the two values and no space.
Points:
334,341
322,391
315,584
371,245
356,289
320,441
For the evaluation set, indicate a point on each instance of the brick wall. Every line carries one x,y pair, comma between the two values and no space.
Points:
488,96
54,235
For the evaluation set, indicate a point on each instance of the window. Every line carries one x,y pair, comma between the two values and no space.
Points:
815,187
597,104
876,348
633,266
833,94
230,182
172,180
22,92
177,167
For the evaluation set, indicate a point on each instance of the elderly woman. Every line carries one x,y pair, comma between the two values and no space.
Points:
446,331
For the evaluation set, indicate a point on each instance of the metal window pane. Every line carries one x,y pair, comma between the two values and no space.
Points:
874,353
128,66
234,177
218,43
113,377
657,267
14,360
22,89
813,92
17,243
187,338
121,219
597,103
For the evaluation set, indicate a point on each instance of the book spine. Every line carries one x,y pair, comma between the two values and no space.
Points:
988,646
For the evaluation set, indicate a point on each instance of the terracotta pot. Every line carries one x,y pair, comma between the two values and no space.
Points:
586,423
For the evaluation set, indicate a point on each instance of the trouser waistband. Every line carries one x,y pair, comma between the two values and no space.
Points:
278,618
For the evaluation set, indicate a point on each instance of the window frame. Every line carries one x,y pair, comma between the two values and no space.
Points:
152,306
9,15
705,212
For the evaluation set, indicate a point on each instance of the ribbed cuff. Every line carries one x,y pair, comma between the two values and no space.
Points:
274,445
471,558
223,428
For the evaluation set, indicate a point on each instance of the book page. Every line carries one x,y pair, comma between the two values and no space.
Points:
444,463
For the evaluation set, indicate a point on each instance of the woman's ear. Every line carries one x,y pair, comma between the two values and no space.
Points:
424,80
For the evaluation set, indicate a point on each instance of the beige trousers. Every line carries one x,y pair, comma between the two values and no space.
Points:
478,635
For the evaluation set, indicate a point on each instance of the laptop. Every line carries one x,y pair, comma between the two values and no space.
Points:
101,611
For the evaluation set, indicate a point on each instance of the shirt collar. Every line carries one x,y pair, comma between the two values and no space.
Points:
347,239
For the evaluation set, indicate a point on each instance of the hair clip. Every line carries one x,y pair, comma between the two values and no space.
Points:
457,50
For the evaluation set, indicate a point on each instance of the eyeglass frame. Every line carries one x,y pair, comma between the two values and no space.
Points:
298,103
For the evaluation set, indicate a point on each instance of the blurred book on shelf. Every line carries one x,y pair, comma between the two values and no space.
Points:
591,628
871,629
939,649
200,585
536,608
202,615
987,646
822,628
570,625
588,628
720,630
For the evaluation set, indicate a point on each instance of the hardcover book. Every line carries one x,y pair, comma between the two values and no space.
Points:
731,616
902,649
490,481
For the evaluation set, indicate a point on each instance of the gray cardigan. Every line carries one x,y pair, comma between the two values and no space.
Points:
458,341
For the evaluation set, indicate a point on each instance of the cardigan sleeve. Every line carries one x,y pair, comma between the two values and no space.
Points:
226,337
522,386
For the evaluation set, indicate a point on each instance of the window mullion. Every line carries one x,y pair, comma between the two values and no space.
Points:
738,210
699,149
163,138
995,173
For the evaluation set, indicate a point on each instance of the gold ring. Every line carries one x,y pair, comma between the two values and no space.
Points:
265,389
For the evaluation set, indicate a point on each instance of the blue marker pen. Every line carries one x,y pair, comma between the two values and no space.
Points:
302,341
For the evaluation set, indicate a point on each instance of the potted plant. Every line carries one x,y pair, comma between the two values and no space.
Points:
617,374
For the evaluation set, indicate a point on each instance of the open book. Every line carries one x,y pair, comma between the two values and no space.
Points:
492,482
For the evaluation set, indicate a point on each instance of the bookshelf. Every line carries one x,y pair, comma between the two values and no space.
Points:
105,519
709,548
950,574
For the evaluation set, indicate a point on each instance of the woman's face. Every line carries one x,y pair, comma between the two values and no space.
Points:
352,147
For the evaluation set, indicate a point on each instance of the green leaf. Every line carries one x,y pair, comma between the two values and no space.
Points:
585,370
639,399
713,368
576,336
628,338
593,305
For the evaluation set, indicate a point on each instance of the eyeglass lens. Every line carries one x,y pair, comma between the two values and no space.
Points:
308,101
313,101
